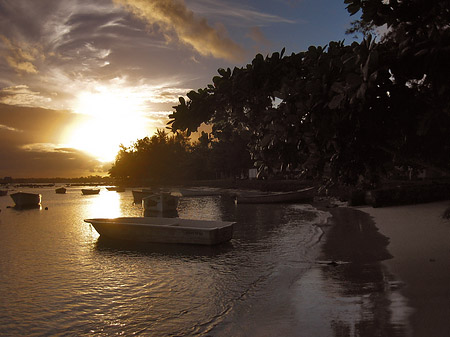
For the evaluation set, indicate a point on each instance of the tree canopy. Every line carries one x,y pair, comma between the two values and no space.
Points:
171,158
350,110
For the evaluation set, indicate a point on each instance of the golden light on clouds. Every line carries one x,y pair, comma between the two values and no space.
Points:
175,18
21,56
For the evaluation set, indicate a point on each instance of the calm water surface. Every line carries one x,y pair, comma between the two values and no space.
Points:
58,278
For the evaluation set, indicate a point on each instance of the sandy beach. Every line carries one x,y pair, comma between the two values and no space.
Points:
419,241
389,276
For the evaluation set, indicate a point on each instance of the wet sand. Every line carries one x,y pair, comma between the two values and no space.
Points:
349,292
419,241
385,272
378,272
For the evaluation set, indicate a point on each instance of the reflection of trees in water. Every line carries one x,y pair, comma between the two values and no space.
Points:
364,281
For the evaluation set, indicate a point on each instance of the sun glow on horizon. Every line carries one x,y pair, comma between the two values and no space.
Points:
112,117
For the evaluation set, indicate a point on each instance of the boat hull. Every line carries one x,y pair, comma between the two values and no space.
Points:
301,196
116,189
160,202
61,190
198,192
26,200
138,195
164,230
88,191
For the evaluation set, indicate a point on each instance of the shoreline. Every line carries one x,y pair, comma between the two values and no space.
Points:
388,273
420,244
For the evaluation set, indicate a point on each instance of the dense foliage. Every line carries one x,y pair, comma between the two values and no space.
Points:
349,110
165,158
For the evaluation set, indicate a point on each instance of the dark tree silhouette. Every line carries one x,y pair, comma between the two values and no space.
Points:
351,110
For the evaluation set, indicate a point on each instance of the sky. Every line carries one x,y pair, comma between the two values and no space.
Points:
78,78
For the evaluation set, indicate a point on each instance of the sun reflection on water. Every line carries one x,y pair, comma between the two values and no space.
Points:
105,205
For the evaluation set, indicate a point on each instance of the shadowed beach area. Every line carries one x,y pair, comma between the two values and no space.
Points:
385,272
377,272
419,241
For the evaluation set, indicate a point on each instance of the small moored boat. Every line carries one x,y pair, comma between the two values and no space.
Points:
138,195
26,200
164,230
160,202
198,192
300,196
60,190
89,191
116,189
3,193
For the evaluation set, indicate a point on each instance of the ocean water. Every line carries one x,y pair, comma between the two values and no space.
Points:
59,278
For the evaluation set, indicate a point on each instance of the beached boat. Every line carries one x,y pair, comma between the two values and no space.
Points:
138,195
3,193
160,202
164,230
61,190
300,196
26,200
89,191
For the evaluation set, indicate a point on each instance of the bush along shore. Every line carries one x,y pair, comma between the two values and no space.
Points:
402,194
390,193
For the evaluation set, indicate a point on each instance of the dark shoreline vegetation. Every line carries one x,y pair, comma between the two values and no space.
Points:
355,120
390,193
356,115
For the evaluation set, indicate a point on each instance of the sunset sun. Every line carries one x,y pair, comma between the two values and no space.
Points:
109,119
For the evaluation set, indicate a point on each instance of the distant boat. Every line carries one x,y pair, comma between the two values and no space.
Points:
26,200
164,230
61,190
160,202
193,192
300,196
89,191
3,193
138,195
116,189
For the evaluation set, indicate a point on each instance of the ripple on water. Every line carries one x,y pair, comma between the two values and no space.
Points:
59,278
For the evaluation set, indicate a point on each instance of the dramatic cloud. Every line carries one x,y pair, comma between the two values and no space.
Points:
174,17
29,144
20,58
74,68
22,95
238,14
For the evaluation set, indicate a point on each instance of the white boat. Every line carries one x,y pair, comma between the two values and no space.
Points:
164,230
26,200
89,191
301,196
160,202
